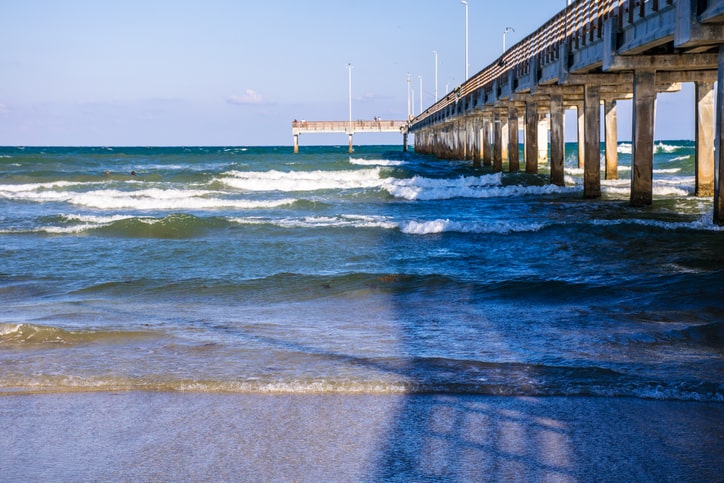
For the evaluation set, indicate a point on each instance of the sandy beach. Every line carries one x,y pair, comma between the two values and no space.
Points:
146,436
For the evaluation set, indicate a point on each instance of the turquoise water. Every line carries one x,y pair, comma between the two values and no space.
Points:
238,269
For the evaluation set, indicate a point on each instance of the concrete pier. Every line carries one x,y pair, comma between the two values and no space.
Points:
326,127
531,137
642,138
592,142
704,168
513,143
611,138
558,145
497,142
589,56
719,144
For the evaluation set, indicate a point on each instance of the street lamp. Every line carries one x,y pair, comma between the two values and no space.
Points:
349,71
467,64
420,93
507,29
435,52
408,95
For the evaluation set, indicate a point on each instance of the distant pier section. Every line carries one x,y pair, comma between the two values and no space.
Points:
323,127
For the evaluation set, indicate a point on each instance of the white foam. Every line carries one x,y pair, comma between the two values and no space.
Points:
98,220
489,186
375,162
66,230
446,225
149,199
301,180
705,223
19,188
667,148
342,221
9,329
85,223
684,157
660,148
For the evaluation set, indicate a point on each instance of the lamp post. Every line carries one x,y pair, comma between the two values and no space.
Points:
350,130
420,77
507,29
435,52
349,71
467,64
408,95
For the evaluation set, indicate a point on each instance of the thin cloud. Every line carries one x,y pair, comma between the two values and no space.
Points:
250,96
372,96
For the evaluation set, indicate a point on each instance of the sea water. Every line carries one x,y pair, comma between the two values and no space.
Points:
255,270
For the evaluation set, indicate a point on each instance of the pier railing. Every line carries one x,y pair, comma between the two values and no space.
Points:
575,26
375,125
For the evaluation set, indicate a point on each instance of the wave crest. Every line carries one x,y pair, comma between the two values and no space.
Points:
43,335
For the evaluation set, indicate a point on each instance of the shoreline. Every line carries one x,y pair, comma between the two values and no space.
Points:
157,436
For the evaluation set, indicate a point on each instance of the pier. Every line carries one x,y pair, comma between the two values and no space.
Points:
375,125
593,53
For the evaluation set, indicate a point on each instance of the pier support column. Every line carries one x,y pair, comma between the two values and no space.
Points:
296,144
446,146
558,145
449,138
404,142
469,138
504,136
642,139
487,155
513,153
455,146
477,141
581,135
592,142
719,144
543,126
463,133
351,149
497,142
704,164
611,132
531,137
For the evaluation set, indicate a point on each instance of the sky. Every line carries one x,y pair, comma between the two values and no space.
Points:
238,72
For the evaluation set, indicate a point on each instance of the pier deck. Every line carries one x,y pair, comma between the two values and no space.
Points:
593,53
360,126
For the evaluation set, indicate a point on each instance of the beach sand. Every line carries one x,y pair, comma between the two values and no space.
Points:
150,436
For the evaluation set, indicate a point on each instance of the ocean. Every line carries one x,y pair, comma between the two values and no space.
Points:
254,270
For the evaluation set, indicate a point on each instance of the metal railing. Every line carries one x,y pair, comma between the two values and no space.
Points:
344,126
578,24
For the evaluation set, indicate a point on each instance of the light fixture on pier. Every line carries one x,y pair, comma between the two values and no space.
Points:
408,95
467,64
420,77
435,52
507,29
349,71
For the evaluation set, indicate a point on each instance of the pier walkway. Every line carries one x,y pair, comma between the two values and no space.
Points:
593,53
375,125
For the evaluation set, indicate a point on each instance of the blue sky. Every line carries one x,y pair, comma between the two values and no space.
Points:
218,72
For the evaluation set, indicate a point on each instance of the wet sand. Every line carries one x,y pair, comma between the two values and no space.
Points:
139,436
